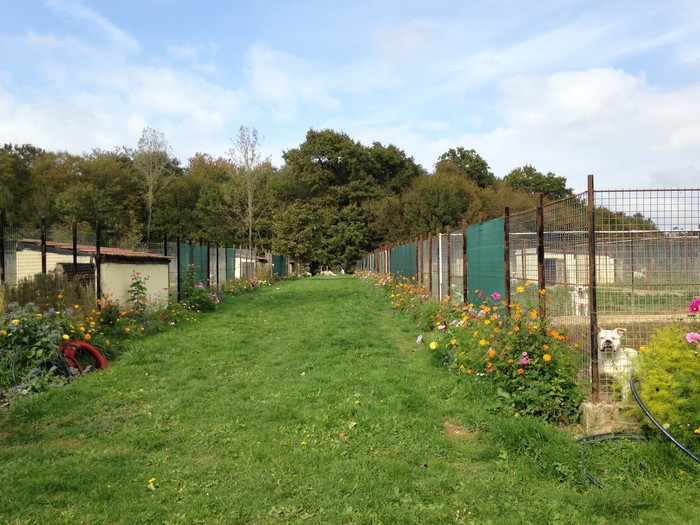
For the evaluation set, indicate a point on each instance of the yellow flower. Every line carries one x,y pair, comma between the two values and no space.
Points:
697,430
76,306
66,337
520,289
542,292
433,345
547,357
453,342
483,342
15,321
533,314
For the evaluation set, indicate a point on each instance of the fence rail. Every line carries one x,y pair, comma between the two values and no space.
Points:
604,258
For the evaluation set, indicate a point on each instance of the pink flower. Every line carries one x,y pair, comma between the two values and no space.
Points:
692,337
419,339
694,306
441,327
524,361
495,296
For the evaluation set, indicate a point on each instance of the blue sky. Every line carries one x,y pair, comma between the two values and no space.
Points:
609,87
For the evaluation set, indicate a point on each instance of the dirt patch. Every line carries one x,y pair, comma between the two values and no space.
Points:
455,431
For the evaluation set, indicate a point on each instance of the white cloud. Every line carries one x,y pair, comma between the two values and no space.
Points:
95,21
286,82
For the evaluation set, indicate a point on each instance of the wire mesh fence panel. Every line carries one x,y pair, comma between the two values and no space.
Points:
567,253
523,257
456,240
650,242
435,267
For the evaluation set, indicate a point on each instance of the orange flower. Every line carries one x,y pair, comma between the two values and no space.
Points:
127,329
521,371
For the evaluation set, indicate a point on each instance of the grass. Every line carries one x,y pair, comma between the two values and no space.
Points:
309,401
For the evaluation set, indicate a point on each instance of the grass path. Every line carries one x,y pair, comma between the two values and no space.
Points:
308,402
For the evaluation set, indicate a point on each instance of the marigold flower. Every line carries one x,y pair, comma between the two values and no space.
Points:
520,371
547,357
492,352
533,314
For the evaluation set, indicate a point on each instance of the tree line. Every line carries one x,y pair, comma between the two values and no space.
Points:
333,199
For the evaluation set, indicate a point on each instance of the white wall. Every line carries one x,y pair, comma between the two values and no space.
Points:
117,278
29,262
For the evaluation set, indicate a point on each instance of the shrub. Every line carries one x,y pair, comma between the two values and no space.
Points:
195,295
27,325
668,375
531,365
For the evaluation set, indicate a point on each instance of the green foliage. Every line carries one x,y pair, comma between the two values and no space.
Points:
51,290
28,326
668,382
195,295
469,164
530,180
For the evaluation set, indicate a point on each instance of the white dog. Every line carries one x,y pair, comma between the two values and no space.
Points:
579,300
614,360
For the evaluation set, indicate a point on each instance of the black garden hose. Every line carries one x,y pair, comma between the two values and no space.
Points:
658,425
608,436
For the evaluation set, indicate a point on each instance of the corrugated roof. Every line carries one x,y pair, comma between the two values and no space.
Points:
86,249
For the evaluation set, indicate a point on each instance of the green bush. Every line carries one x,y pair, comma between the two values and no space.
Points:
195,295
531,365
668,383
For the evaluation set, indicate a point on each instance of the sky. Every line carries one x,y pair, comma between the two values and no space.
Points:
603,87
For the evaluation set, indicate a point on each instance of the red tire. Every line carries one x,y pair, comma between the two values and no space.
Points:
80,355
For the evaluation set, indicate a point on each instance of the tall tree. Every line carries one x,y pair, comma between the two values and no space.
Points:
469,164
246,192
156,168
531,180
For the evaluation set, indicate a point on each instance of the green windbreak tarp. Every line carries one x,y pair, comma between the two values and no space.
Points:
279,265
485,259
403,260
194,259
230,263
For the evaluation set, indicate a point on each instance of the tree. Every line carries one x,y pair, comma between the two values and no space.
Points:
440,200
469,164
245,193
156,168
530,180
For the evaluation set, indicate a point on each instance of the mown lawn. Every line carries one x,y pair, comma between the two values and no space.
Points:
310,402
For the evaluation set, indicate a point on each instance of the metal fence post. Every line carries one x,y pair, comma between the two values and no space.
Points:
449,261
506,255
75,248
43,245
465,263
430,263
539,226
2,246
98,260
593,299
